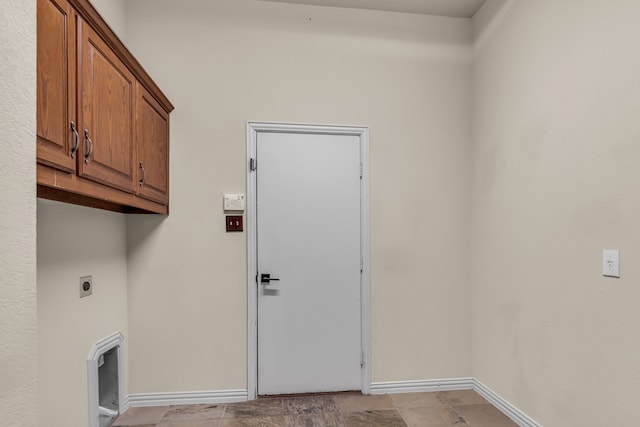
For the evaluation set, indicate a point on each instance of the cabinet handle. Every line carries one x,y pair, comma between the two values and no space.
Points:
76,140
141,175
90,145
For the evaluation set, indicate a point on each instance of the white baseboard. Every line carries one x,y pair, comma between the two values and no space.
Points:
125,406
185,398
501,404
230,396
505,407
420,386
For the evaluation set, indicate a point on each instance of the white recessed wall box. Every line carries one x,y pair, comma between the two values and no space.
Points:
234,202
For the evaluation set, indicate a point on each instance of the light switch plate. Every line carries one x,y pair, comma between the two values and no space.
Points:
234,202
611,263
234,223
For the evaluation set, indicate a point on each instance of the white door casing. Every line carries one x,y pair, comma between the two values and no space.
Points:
321,350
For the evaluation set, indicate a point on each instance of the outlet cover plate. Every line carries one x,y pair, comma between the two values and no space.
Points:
611,263
86,286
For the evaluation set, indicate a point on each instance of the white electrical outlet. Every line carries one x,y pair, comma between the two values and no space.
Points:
611,263
86,286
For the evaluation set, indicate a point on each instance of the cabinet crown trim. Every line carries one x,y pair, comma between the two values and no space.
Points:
89,13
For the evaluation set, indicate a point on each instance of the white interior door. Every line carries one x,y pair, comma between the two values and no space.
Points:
308,236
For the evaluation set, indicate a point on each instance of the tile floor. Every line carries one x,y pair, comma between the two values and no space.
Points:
464,408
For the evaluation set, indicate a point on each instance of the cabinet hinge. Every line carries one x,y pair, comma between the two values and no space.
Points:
253,164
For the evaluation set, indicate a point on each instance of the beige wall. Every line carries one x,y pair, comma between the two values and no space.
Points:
114,12
227,62
73,242
18,342
555,99
76,241
555,182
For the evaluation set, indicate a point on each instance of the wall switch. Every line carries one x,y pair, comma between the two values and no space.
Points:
611,263
234,223
86,286
234,202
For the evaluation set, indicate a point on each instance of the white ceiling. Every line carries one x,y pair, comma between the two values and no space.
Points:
454,8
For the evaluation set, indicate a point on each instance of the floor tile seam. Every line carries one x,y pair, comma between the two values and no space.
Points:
224,411
402,417
460,415
466,423
419,405
443,405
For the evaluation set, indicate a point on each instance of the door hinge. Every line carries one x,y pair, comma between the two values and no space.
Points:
361,169
361,264
362,359
253,164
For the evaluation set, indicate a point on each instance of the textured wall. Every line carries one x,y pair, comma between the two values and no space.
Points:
18,341
557,101
227,62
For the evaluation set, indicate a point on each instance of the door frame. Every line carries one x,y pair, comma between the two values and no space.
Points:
253,128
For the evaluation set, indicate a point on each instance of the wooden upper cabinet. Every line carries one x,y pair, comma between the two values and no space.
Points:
56,76
102,122
152,147
107,90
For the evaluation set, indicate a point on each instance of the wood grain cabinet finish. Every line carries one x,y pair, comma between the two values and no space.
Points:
57,137
102,123
107,90
152,147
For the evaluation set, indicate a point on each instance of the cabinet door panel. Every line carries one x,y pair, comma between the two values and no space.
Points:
152,146
56,84
107,90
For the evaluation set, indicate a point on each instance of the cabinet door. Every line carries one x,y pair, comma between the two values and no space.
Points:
56,139
152,147
106,117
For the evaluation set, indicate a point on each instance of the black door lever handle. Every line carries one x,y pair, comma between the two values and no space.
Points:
266,278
